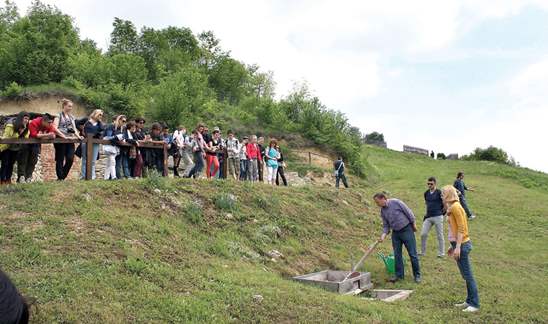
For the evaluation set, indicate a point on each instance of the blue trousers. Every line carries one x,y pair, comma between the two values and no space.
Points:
465,206
465,268
406,237
244,166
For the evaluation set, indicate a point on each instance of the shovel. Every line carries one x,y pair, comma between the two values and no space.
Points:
353,273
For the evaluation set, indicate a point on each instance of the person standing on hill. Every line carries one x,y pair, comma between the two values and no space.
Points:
244,163
461,190
15,128
233,160
399,219
281,168
197,146
461,246
64,152
433,217
339,172
140,153
262,159
253,158
272,162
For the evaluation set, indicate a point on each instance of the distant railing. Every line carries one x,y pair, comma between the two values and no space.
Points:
89,141
316,154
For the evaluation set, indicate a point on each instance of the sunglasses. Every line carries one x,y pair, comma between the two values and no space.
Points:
430,183
124,121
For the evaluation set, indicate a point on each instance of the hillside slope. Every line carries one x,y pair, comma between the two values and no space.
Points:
179,251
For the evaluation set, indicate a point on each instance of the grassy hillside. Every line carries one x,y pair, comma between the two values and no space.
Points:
179,251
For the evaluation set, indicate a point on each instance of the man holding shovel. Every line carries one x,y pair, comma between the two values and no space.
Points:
399,219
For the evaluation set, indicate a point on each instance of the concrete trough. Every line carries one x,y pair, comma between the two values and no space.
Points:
334,281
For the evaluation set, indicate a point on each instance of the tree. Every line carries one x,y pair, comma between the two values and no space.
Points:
128,70
123,39
167,50
441,156
180,97
491,153
374,137
260,84
38,46
228,77
9,14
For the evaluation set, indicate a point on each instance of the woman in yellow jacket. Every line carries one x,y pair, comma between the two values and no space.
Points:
460,246
16,128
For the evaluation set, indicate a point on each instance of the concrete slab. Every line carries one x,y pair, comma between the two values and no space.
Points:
390,295
334,281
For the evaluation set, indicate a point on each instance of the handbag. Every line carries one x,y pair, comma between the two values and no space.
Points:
78,151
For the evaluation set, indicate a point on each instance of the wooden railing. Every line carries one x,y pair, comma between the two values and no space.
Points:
316,154
89,141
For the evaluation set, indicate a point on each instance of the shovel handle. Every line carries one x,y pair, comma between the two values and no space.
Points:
367,253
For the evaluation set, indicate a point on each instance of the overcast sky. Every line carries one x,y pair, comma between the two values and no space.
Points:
445,75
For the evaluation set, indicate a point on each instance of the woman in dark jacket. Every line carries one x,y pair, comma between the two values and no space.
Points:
281,167
93,127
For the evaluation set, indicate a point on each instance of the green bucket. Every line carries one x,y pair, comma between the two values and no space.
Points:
389,263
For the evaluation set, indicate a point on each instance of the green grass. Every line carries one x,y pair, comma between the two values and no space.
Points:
182,251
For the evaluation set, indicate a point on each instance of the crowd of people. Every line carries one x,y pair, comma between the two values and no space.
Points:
195,154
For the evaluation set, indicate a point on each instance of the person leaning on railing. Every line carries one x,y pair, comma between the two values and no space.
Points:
41,128
93,127
15,128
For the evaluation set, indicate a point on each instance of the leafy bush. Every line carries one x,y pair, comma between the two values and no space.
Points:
13,90
491,153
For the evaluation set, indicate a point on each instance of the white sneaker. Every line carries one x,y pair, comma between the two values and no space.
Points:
470,309
462,305
472,217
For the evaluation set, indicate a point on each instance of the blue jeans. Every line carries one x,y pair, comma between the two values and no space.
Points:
406,237
93,159
465,206
465,268
125,164
243,169
198,165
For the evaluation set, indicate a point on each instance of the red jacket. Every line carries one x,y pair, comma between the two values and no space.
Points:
252,151
35,127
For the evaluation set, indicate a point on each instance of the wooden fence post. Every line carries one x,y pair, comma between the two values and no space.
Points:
89,153
166,157
309,158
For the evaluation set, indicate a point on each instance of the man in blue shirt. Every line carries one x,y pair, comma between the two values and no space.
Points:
433,217
399,219
462,188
